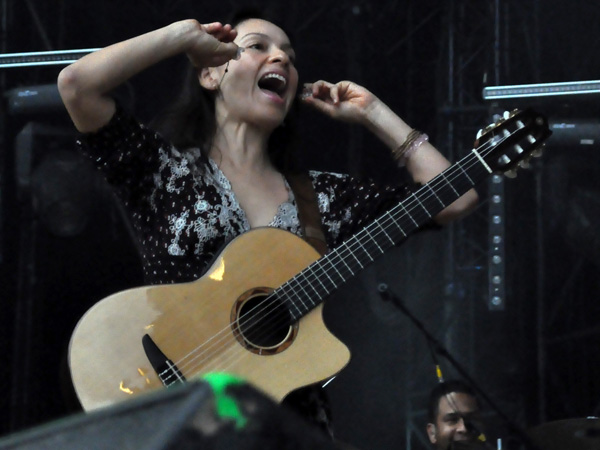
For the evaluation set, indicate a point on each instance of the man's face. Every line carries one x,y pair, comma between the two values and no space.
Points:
457,420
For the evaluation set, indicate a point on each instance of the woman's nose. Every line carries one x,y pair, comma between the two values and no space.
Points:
278,55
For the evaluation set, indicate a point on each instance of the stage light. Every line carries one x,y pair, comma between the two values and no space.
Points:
541,90
29,59
496,261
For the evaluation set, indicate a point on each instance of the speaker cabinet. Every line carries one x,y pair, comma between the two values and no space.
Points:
187,416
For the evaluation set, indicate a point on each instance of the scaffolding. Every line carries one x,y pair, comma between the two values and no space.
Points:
476,49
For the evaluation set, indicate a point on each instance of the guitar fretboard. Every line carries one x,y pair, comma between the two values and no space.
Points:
315,283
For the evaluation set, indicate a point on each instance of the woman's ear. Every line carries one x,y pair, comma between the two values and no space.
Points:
208,78
431,433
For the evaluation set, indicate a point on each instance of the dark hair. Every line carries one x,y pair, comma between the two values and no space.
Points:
443,389
190,122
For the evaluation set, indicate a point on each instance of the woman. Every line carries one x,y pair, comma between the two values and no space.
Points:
185,203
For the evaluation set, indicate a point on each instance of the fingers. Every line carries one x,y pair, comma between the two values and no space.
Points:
214,47
322,90
343,100
224,33
320,95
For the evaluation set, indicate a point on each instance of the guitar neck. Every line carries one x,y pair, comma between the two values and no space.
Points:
315,283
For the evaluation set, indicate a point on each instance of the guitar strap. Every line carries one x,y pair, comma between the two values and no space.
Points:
308,210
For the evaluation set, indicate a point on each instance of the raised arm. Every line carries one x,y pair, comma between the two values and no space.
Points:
85,85
352,103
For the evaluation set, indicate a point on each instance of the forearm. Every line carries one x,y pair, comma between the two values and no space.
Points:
423,164
84,85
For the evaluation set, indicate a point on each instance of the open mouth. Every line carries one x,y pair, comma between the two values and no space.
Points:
273,82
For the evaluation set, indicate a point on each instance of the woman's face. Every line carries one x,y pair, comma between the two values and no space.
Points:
260,87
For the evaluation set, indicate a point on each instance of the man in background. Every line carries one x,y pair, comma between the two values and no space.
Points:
454,417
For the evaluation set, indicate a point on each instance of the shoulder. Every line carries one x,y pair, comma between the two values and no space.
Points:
323,180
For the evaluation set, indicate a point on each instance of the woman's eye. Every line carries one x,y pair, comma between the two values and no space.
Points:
257,46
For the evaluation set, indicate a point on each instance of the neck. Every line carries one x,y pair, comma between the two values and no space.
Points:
241,147
240,143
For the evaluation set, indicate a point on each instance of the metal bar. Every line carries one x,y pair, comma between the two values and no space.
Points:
28,59
541,89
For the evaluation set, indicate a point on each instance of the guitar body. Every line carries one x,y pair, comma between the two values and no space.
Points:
193,325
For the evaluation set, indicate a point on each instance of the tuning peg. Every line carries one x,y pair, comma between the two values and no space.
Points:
479,134
512,173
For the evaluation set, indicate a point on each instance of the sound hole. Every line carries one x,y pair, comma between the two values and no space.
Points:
264,322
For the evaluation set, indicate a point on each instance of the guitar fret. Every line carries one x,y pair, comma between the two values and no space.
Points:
450,184
436,196
309,297
327,275
373,239
321,283
364,249
338,272
345,244
305,293
466,175
423,206
293,303
398,225
347,266
385,232
408,214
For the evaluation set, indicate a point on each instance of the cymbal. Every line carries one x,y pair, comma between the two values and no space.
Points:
568,434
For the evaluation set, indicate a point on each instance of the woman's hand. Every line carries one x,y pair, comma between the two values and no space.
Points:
212,45
344,100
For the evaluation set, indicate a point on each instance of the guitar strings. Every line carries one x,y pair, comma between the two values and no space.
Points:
413,205
268,300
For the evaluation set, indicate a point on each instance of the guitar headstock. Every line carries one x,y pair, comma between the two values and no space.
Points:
512,141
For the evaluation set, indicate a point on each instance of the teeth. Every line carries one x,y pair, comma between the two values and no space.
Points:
276,76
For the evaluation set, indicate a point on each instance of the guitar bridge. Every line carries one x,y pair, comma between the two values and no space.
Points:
168,373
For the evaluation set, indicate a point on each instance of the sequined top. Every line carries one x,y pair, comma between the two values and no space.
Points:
183,206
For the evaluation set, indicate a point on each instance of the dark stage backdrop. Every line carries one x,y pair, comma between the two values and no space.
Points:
66,244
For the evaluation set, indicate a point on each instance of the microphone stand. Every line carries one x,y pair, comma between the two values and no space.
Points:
386,294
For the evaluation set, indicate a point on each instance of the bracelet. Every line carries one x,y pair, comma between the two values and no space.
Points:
413,141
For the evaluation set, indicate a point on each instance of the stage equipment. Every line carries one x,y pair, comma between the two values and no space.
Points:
29,59
564,250
225,413
34,99
491,93
568,434
72,245
573,119
388,296
571,107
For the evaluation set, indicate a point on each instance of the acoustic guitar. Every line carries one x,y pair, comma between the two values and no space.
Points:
257,311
